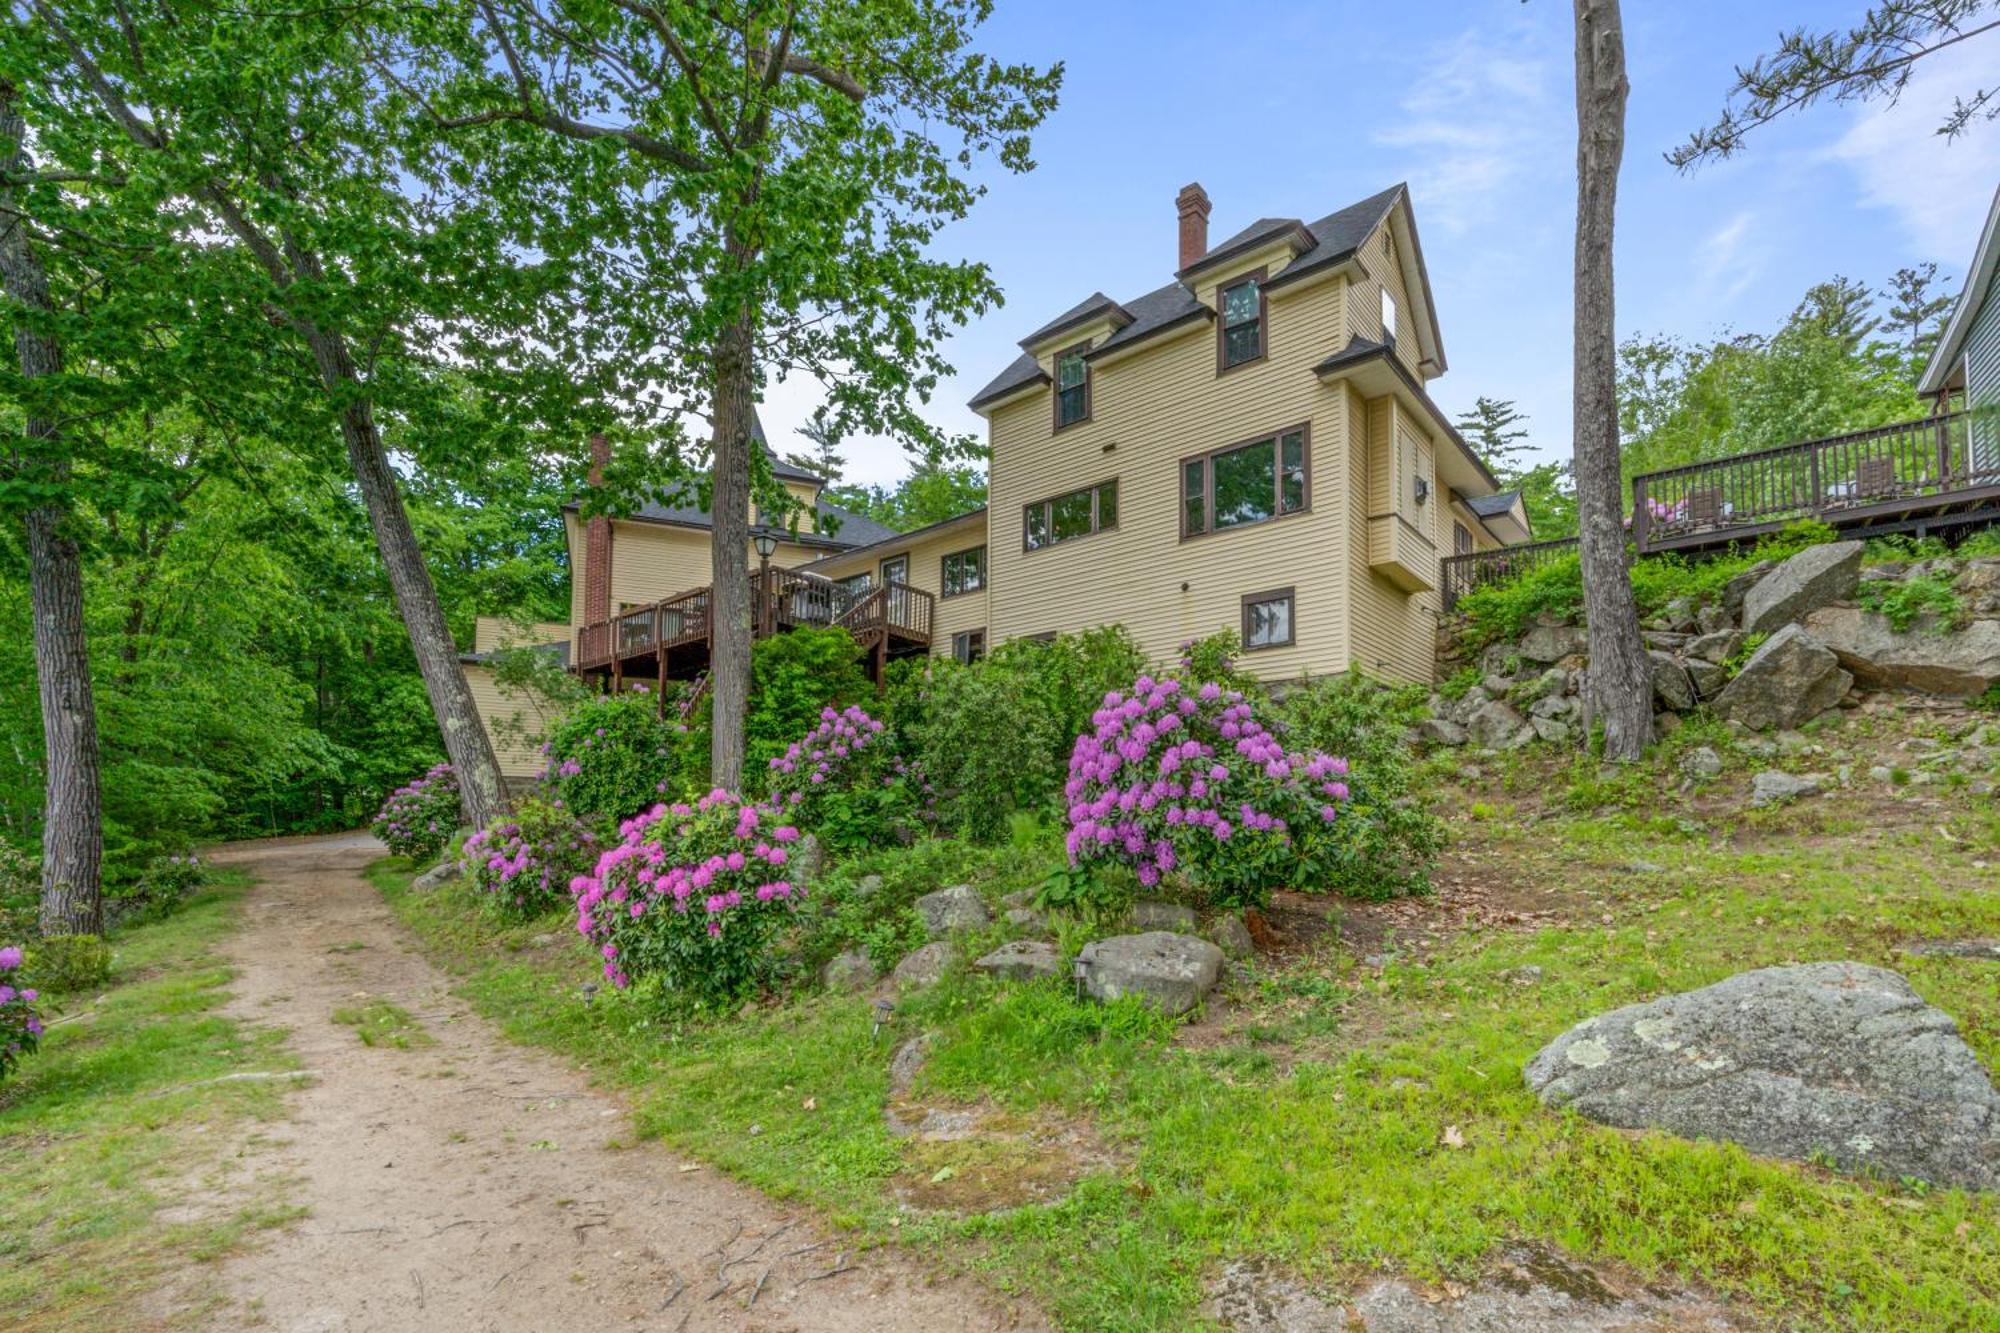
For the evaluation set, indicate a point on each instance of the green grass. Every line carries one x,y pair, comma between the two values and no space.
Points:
380,1023
1314,1132
118,1118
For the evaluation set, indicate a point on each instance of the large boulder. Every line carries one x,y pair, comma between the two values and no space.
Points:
925,965
850,971
1738,588
1815,577
1790,678
957,908
1496,726
1551,641
1441,731
1965,662
439,875
1833,1060
1673,687
1171,972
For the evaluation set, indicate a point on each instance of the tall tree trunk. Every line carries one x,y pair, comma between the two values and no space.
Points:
465,739
72,821
734,409
1621,688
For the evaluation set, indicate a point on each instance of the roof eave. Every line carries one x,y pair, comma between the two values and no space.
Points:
1978,281
1295,231
994,397
1343,361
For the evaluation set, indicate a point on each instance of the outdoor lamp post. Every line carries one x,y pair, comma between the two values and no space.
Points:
766,542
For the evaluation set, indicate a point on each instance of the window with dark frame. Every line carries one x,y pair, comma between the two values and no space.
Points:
856,585
1066,517
969,645
1461,539
963,571
896,569
1265,478
1267,619
1072,386
1241,328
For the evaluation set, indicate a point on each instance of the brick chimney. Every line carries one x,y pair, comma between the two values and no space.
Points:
597,544
1192,202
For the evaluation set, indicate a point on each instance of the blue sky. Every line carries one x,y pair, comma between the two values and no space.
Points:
1296,109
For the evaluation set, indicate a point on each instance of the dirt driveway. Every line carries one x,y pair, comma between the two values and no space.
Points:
467,1183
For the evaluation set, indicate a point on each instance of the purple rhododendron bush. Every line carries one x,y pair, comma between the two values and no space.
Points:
845,782
1186,782
20,1025
524,866
419,818
691,896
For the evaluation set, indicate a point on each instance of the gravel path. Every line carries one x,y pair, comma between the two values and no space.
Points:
468,1184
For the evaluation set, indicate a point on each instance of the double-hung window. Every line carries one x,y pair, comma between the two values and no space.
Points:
1266,478
1072,386
1065,517
964,571
969,645
1241,328
1267,619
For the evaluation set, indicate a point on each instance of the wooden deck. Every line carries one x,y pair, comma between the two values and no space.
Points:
673,638
1938,474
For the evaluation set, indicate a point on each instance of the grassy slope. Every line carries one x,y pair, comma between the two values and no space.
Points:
99,1131
1314,1129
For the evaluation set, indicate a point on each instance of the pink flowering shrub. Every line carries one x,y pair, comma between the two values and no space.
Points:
844,781
690,897
419,818
1178,780
20,1025
525,865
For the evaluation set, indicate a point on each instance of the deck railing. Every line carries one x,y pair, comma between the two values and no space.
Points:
1824,479
1460,574
780,599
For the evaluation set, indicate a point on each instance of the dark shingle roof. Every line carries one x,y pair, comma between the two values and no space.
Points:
1338,236
1489,506
855,529
1090,307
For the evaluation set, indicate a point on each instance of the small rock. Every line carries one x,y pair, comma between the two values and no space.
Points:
1496,726
1171,972
1524,976
1775,787
923,966
1232,936
1701,762
1644,868
1553,730
1552,641
1881,773
1163,916
1984,950
545,940
957,908
853,970
1441,731
1022,960
439,875
867,887
1027,918
907,1063
1719,646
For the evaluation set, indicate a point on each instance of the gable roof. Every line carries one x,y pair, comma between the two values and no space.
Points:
1335,239
1094,306
1972,298
1488,506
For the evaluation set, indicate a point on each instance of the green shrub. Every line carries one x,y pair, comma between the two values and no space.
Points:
613,757
1386,840
1904,602
1215,658
523,866
1459,684
1498,611
793,677
419,818
20,893
843,781
993,739
69,962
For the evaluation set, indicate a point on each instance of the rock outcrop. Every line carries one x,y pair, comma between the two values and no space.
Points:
1790,678
1965,662
1171,972
1815,1061
1815,577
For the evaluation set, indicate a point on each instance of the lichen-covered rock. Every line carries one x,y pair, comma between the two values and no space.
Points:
1553,730
1441,731
1551,641
1701,762
1776,787
957,908
1790,678
1672,685
1834,1060
1964,662
1022,960
1163,916
1498,727
1232,936
923,966
1738,589
1171,972
1717,647
1815,577
850,971
439,875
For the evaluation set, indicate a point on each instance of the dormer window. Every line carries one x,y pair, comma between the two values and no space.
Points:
1072,386
1241,329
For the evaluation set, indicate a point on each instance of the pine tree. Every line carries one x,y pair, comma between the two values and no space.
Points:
823,460
1914,312
1492,428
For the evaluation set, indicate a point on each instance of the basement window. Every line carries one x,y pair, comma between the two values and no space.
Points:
1267,619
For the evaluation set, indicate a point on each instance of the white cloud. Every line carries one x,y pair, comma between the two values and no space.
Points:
1477,120
1729,259
1939,189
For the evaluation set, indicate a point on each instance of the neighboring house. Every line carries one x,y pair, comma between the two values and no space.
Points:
1966,363
1251,446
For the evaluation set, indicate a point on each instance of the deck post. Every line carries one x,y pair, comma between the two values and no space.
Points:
1640,518
1818,496
660,690
1944,453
